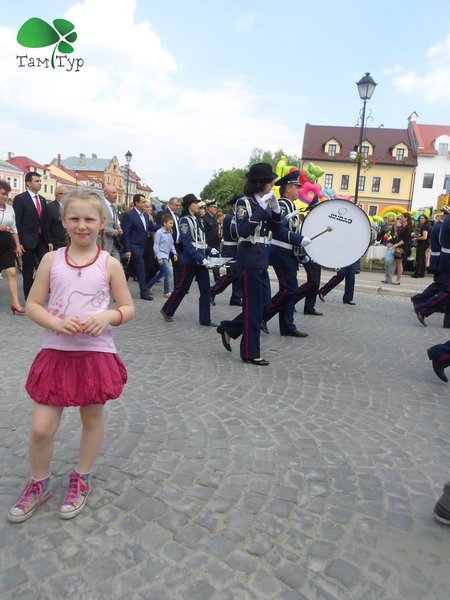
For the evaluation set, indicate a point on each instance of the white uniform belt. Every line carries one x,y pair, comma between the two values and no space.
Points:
281,244
446,250
434,253
254,240
201,246
230,243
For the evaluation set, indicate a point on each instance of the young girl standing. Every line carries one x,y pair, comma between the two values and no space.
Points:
78,364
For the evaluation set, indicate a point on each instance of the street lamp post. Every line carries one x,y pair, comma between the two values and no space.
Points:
366,86
76,178
128,157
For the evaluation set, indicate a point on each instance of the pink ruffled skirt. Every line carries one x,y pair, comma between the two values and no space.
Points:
65,378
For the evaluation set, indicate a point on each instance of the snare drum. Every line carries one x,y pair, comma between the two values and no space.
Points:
346,243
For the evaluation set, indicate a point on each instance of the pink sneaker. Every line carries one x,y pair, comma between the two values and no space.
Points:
79,489
33,495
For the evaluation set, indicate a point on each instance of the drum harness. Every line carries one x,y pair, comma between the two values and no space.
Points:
256,238
197,233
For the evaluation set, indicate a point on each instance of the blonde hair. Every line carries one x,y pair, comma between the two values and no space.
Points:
86,195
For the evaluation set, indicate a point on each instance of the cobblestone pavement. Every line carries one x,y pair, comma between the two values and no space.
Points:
313,478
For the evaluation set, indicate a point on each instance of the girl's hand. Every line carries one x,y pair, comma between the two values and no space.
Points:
68,326
160,261
97,323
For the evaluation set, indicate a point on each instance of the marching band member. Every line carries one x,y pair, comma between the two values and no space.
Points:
229,250
256,215
194,264
284,252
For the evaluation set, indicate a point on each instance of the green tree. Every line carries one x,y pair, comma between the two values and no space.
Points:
259,155
223,186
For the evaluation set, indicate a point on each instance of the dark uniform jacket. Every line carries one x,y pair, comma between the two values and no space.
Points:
211,231
254,224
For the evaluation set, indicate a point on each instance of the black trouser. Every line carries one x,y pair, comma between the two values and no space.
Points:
30,261
176,266
420,261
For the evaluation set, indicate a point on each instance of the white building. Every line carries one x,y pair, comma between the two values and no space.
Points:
432,176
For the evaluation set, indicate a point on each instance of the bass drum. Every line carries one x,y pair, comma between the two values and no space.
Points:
348,240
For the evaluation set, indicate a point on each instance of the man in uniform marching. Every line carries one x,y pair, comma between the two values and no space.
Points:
211,227
284,252
194,263
229,250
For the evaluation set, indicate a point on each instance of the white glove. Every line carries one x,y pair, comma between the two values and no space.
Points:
305,242
214,252
205,262
274,205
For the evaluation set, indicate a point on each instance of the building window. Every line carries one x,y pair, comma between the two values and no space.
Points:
51,189
8,179
372,210
328,180
332,150
376,184
400,154
45,187
344,182
446,187
365,151
443,149
15,182
396,185
361,183
428,179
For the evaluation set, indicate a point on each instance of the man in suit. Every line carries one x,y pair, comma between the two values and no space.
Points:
172,209
136,229
57,231
110,236
33,227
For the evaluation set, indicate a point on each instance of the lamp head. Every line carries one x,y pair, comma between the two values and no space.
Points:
366,86
128,156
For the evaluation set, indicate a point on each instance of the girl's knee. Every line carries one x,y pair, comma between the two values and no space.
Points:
42,432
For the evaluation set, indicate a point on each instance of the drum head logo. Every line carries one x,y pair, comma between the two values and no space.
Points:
341,216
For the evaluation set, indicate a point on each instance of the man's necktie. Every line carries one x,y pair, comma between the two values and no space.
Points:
38,205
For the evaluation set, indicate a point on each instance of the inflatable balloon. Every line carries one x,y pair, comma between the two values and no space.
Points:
396,209
281,170
303,177
302,207
281,165
314,172
329,193
308,191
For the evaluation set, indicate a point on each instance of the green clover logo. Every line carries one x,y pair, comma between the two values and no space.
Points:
36,33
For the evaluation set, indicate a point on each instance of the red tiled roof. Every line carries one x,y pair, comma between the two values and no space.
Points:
426,135
25,163
382,140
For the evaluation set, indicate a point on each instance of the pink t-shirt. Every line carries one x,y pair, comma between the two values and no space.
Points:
78,293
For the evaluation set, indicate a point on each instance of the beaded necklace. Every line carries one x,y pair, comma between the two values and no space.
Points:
75,265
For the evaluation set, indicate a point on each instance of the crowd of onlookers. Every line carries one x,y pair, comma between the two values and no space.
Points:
409,239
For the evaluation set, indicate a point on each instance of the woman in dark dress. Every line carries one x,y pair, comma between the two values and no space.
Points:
403,241
422,239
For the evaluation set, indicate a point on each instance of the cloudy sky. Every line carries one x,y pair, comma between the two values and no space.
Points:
192,87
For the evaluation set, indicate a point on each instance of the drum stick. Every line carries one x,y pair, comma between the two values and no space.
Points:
329,228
